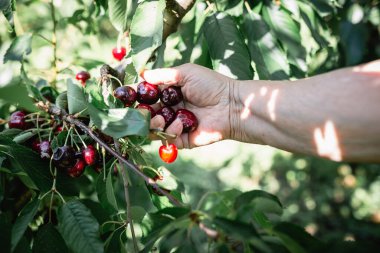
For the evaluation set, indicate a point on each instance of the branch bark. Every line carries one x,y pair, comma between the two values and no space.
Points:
174,12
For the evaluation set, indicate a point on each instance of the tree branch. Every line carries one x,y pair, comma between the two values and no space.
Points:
174,12
126,195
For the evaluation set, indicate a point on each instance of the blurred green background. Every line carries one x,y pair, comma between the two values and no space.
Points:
331,200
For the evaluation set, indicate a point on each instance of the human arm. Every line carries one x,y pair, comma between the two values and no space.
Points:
334,115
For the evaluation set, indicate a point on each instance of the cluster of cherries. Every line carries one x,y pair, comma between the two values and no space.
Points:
65,158
148,94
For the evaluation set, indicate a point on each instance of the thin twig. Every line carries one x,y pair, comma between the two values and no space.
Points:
127,198
54,44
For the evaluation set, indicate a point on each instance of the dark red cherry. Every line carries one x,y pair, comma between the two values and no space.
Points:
168,113
90,155
119,53
83,76
36,145
64,157
171,95
58,129
126,94
17,120
78,169
189,121
45,149
147,107
147,93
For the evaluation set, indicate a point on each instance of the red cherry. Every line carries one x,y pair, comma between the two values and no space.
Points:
83,76
17,120
168,153
90,155
126,94
58,129
147,93
119,53
188,119
168,113
147,107
171,95
36,145
78,169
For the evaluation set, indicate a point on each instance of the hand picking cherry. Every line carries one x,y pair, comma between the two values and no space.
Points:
168,153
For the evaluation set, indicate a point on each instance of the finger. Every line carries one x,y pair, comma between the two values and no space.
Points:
162,76
176,128
157,122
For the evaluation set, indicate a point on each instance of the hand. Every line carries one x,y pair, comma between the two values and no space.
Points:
206,93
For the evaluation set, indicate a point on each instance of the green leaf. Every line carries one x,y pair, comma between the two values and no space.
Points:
219,203
5,232
118,12
270,59
259,201
229,54
75,98
121,122
353,39
288,31
295,238
49,240
235,229
17,94
24,159
25,217
106,194
79,228
146,31
20,47
7,7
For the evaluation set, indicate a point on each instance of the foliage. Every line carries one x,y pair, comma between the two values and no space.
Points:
44,210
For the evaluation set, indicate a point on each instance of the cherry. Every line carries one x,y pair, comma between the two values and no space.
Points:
189,121
147,107
90,155
58,129
119,53
168,113
17,120
171,95
45,149
83,76
126,94
147,93
36,145
168,153
78,169
64,157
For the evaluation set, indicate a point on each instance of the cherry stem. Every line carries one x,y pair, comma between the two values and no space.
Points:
84,144
117,79
127,198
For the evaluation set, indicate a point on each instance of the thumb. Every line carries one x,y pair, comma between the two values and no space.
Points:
162,76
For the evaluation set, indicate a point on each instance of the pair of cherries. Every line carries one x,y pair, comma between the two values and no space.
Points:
148,94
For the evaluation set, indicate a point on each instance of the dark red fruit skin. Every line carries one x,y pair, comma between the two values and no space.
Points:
45,149
171,96
77,170
36,145
119,53
189,120
58,129
64,157
126,94
147,93
17,120
83,76
90,155
147,107
168,113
